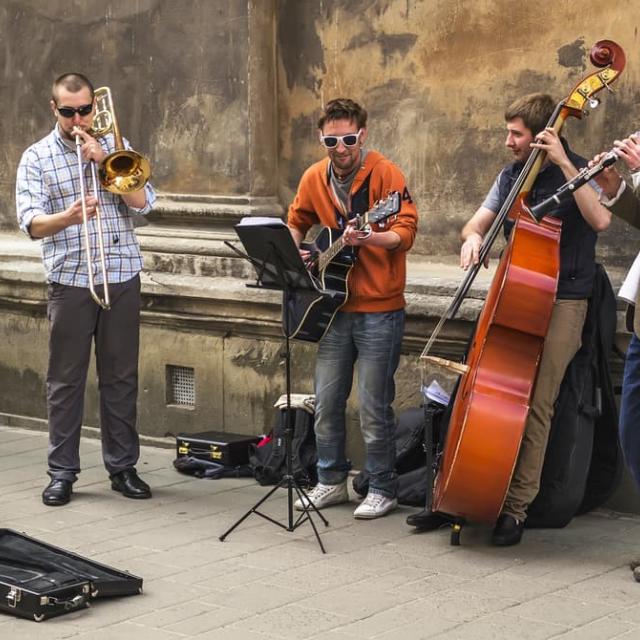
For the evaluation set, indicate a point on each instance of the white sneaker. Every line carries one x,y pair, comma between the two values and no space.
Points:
374,506
324,495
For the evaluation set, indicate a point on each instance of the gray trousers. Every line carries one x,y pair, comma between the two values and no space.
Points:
75,322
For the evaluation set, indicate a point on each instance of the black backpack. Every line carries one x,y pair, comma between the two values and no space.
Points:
583,461
268,461
411,459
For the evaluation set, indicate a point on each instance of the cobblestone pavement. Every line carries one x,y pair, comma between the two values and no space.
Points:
377,580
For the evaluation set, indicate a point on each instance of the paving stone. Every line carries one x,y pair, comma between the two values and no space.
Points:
560,609
255,597
378,579
292,621
603,629
503,585
614,588
237,633
500,625
629,614
418,617
129,630
354,602
322,574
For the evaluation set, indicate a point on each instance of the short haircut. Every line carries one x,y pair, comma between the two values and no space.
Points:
343,109
535,109
72,82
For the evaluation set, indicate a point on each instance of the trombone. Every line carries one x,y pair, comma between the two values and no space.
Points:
122,171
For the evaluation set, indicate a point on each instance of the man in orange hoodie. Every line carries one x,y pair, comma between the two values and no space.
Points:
367,330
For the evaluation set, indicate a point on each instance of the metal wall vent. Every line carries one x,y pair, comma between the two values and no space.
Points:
181,387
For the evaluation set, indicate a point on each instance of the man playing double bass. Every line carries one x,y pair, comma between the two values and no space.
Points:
583,216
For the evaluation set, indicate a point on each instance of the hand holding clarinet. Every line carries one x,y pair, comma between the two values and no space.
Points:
628,150
601,170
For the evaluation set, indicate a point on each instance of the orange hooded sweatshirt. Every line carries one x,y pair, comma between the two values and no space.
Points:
376,282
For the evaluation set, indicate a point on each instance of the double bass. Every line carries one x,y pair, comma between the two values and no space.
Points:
494,391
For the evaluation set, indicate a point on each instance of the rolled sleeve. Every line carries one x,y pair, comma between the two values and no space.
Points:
150,195
301,215
609,202
32,196
405,223
406,235
148,190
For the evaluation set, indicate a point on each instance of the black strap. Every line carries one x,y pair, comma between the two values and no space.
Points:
360,199
359,202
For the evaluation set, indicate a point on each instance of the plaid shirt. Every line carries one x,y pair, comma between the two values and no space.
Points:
47,183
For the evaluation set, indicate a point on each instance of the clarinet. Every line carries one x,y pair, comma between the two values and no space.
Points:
568,188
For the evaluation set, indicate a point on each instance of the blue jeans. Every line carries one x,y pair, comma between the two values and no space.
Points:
372,340
630,409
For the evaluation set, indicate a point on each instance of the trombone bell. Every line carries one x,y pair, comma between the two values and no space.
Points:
124,170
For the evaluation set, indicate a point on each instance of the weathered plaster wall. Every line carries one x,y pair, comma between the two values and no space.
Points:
178,70
435,77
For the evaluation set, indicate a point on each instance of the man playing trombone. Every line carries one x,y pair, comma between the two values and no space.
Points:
86,240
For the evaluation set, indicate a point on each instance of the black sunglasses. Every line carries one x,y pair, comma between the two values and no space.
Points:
69,112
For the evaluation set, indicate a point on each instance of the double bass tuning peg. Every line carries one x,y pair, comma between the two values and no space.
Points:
593,103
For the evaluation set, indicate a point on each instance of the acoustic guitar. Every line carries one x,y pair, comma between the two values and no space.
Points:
310,313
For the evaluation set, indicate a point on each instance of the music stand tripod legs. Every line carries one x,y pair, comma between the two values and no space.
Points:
276,266
288,480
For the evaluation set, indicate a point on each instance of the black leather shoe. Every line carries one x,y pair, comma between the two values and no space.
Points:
508,531
57,493
428,520
130,485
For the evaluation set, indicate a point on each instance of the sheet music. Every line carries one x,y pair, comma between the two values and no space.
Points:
260,221
436,393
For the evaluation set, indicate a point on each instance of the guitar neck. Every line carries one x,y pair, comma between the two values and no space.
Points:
336,247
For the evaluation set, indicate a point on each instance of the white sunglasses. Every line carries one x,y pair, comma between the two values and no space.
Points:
348,140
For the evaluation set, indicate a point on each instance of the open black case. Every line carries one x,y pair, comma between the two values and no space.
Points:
38,580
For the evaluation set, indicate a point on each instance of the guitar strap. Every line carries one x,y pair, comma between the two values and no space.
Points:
360,199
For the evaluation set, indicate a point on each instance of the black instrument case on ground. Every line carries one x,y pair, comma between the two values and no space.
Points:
38,580
229,449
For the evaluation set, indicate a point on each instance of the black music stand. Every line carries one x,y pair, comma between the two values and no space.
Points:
272,252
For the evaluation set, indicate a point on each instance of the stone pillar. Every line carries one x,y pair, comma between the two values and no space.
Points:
229,170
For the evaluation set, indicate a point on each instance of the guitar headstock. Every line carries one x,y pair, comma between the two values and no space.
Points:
383,209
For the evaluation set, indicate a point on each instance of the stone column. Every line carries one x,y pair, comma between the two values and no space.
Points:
217,156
